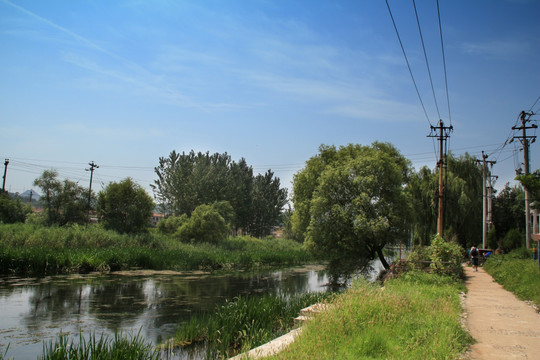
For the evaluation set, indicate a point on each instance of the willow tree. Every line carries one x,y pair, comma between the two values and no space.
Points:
350,203
462,200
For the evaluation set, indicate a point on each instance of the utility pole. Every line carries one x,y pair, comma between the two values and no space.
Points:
525,141
442,133
486,198
4,177
491,179
92,167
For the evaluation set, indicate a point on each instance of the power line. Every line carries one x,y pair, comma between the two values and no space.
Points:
444,65
534,104
426,58
407,61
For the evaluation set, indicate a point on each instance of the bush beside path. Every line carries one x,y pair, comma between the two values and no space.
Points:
503,326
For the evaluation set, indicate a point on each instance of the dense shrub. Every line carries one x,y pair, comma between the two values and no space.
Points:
12,210
445,257
171,224
514,239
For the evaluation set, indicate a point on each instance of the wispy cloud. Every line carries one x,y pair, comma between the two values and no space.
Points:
497,48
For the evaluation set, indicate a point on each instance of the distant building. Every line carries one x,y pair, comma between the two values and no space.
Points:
156,217
277,232
535,214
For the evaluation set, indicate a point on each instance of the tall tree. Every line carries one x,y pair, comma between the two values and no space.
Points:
268,200
66,202
125,207
422,189
357,204
50,187
186,181
462,200
508,210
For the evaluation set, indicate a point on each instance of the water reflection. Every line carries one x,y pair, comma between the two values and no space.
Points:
36,309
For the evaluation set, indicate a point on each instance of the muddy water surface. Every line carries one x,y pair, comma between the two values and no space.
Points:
154,303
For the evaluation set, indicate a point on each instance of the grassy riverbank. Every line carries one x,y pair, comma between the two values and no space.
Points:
413,317
516,272
244,323
34,250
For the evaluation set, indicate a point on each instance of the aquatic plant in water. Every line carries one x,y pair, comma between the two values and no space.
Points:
104,347
244,323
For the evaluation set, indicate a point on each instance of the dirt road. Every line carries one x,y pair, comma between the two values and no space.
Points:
503,326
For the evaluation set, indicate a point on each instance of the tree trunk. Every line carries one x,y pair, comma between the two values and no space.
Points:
382,259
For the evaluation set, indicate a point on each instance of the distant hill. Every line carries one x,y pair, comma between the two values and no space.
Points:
26,195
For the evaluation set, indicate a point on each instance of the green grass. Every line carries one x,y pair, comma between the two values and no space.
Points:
415,316
104,347
516,272
244,323
36,250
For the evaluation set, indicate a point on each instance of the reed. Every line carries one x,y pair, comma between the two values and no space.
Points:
35,250
244,323
104,347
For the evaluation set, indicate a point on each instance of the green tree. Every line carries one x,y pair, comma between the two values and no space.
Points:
186,181
206,224
268,200
422,191
531,182
357,204
509,210
462,201
65,201
50,188
12,210
125,207
171,224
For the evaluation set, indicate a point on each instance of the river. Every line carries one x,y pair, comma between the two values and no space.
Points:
36,309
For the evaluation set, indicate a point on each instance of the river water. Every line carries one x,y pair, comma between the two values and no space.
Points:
155,303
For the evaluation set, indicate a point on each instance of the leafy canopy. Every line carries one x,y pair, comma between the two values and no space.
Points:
350,203
125,207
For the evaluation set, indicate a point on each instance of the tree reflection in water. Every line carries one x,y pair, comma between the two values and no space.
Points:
107,303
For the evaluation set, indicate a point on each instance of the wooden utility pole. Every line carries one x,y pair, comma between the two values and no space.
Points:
4,177
442,133
525,141
92,167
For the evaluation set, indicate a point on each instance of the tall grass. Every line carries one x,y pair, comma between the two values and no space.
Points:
244,323
106,348
415,316
516,272
37,250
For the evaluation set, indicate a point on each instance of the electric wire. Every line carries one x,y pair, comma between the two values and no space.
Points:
407,61
534,104
444,64
426,58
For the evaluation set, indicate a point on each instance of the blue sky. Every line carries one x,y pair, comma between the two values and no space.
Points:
122,83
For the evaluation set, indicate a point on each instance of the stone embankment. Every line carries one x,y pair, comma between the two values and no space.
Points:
275,346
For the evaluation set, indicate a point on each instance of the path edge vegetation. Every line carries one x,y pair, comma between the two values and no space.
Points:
518,273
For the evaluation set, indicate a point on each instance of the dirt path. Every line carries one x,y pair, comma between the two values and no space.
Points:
503,326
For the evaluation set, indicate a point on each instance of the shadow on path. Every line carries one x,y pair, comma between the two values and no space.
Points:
503,326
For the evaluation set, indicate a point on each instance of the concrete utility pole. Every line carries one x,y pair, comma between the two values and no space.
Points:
486,198
442,133
525,141
491,180
4,177
92,167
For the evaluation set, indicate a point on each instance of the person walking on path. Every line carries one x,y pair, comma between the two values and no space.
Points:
474,258
503,326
